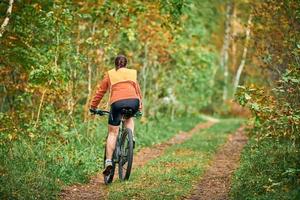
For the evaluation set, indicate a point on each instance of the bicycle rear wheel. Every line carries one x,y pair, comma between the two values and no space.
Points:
109,178
126,155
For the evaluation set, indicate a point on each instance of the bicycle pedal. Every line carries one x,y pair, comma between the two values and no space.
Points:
107,170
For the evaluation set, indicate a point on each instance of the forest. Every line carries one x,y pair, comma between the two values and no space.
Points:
237,61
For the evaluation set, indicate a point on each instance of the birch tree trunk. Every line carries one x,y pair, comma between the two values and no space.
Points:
73,83
244,56
6,20
144,70
235,29
225,48
144,75
86,113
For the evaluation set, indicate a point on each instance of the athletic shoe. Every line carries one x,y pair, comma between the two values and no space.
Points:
108,167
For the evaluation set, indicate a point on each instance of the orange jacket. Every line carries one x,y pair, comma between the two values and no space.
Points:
122,84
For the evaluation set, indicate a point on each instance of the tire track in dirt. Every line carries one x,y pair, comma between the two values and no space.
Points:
96,189
216,181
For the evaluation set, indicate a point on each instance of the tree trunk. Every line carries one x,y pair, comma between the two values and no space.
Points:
144,75
86,112
144,70
73,85
6,20
40,108
244,56
225,48
234,32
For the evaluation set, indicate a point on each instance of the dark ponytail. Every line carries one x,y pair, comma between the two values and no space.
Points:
120,61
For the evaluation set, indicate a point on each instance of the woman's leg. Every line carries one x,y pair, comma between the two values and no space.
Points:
111,140
129,123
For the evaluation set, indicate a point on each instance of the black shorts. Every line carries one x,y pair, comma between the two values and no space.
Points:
115,116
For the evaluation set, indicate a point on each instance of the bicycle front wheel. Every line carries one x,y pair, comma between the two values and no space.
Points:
126,155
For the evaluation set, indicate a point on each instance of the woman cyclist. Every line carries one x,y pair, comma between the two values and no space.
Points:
124,93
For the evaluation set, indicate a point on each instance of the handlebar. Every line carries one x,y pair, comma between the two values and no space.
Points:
105,112
101,112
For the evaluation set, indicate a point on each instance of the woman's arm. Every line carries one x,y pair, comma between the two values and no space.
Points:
100,92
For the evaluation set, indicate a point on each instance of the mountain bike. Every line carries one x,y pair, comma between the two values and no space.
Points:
123,153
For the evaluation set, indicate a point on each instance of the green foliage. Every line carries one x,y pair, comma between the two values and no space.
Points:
34,28
197,61
270,164
277,114
57,46
172,175
269,170
37,163
276,108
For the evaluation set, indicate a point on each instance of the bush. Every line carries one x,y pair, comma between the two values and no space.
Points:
269,170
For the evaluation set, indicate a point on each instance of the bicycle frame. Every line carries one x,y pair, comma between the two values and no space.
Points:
117,152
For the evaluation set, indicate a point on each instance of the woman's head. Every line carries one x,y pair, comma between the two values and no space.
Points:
120,61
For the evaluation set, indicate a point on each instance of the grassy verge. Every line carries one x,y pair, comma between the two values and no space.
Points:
172,175
38,167
270,169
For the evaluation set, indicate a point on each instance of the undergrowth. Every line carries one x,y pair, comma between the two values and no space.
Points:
38,167
270,169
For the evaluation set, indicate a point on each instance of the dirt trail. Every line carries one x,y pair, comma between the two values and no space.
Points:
215,183
96,189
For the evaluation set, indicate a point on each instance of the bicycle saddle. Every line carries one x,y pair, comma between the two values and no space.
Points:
127,112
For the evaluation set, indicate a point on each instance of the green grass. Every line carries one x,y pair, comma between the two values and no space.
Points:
269,169
172,175
39,167
162,129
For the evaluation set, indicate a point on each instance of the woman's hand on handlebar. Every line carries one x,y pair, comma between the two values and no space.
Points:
93,111
138,114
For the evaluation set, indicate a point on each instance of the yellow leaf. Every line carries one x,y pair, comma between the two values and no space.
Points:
10,136
31,135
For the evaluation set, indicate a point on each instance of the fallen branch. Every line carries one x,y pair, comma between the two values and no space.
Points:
40,108
6,20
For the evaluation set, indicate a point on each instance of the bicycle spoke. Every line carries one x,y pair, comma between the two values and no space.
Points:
125,161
